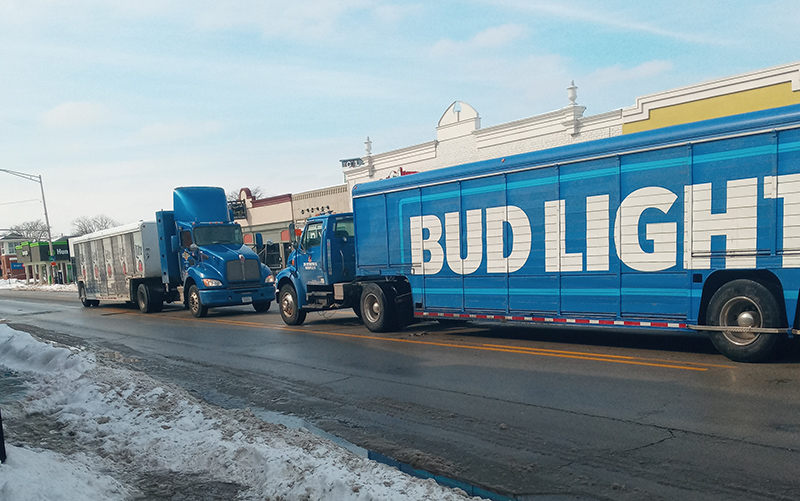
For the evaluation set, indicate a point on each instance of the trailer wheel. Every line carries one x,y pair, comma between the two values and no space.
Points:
82,296
378,310
195,306
262,306
149,300
744,303
287,303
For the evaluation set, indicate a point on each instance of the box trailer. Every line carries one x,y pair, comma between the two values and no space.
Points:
194,253
692,227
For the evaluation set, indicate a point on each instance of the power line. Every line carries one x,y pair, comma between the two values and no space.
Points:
21,201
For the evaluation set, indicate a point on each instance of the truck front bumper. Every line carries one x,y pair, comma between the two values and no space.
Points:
233,297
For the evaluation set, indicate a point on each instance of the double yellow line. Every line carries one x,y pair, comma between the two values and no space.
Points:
575,355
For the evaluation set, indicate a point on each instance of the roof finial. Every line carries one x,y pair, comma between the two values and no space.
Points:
572,93
368,145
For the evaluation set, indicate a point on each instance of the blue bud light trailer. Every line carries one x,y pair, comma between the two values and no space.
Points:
691,227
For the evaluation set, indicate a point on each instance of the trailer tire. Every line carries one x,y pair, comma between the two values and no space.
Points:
195,305
262,306
744,303
287,304
149,300
378,309
82,296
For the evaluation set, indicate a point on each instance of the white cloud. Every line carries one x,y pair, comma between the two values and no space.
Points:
313,19
76,115
612,75
392,14
166,132
490,38
608,16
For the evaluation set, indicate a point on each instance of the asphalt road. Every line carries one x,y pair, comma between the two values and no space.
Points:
527,412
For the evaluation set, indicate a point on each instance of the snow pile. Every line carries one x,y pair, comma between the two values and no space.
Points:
20,352
21,285
125,426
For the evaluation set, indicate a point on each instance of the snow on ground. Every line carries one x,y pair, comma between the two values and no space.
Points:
117,432
22,285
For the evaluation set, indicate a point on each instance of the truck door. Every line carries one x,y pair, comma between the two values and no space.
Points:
341,250
309,259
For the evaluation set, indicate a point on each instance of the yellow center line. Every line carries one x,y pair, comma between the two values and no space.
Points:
619,359
659,360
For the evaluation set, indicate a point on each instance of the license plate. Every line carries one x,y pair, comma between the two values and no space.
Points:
247,299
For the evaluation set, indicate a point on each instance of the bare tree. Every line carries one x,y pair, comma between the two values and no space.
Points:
35,231
257,192
86,224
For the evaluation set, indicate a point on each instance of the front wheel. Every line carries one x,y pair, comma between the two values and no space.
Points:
195,306
290,312
378,309
744,303
262,306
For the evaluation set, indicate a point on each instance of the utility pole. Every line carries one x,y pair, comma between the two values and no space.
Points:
38,179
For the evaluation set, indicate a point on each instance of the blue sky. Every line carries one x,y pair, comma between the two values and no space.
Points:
115,102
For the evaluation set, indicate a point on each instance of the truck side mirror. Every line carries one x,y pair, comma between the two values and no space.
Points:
293,237
259,242
173,241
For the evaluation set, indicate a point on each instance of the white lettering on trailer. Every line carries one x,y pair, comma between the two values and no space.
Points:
496,219
663,235
556,257
419,245
787,188
597,225
738,225
472,261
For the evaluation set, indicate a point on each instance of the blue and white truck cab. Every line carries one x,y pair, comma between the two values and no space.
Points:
322,275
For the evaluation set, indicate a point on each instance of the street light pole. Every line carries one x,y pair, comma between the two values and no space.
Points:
37,179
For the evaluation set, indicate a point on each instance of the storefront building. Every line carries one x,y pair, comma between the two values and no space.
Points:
272,217
35,258
460,138
10,268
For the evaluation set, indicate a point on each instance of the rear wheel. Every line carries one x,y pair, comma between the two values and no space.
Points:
287,302
378,310
262,306
149,300
195,306
82,296
744,303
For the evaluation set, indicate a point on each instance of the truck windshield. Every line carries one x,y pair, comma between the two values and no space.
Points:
214,235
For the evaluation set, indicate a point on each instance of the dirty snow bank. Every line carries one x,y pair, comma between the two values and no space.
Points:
20,285
121,426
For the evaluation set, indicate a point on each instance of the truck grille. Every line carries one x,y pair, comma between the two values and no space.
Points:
243,271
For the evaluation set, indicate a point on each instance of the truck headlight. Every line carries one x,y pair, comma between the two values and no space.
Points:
270,279
212,282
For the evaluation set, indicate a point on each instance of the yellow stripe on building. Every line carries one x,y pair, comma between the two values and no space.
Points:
773,96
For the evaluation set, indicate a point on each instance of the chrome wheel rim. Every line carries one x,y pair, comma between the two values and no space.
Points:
194,302
372,307
287,305
740,311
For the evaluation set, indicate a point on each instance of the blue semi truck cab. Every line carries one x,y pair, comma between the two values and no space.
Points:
322,275
203,254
